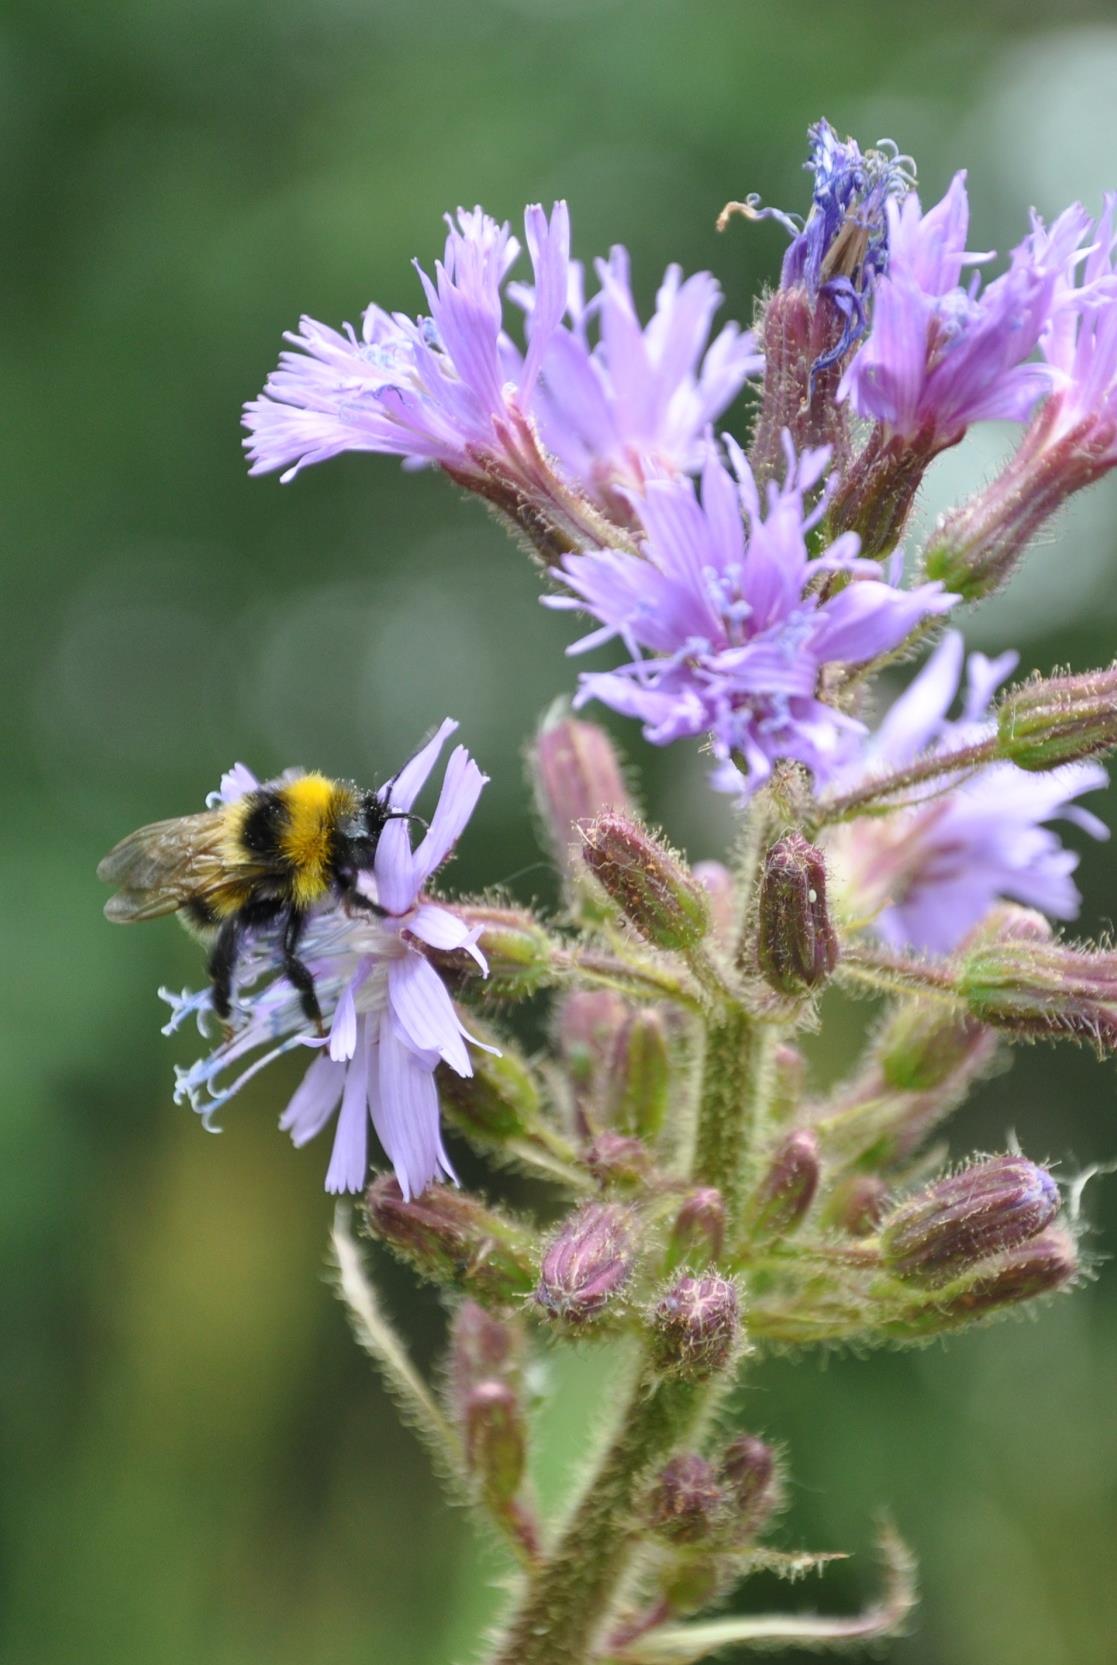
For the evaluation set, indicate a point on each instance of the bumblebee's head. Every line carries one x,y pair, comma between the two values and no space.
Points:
358,833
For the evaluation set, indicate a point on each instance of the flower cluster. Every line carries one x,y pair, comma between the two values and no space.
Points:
612,400
753,593
940,355
741,623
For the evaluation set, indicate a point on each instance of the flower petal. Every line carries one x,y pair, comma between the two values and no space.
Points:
442,929
424,1013
314,1100
405,1114
349,1157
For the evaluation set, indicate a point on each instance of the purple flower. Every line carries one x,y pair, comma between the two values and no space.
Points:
942,355
390,1017
926,875
1081,348
736,620
432,389
453,389
842,248
619,401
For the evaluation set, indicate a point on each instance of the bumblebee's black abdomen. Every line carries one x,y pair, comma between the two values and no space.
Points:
263,828
199,914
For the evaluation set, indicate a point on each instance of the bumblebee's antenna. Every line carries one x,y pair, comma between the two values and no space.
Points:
408,815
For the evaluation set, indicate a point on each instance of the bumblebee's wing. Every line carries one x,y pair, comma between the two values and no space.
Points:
161,867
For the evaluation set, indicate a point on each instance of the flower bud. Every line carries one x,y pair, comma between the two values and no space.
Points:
639,1075
795,334
684,1501
495,1439
921,1064
498,1102
695,1327
587,1263
482,1348
923,1044
953,1225
698,1235
577,775
1060,719
652,887
878,490
518,950
796,944
856,1205
781,1200
1045,989
717,881
452,1239
1041,1266
588,1023
618,1159
976,547
749,1475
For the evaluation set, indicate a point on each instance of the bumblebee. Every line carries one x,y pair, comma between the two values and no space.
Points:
268,858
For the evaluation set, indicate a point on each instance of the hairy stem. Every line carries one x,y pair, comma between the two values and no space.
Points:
735,1075
878,795
570,1598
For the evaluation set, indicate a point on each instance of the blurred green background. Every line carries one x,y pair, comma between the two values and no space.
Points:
199,1464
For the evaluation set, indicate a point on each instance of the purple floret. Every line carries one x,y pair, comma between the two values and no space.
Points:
613,400
727,625
941,354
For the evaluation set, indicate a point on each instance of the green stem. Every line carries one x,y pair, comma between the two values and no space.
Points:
570,1598
735,1078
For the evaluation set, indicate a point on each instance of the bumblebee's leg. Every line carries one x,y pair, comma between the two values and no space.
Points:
356,899
222,964
298,974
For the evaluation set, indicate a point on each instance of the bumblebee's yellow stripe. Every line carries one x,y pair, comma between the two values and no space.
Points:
313,807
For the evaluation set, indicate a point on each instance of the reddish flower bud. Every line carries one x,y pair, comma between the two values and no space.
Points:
1041,1266
618,1159
749,1475
652,887
577,776
857,1205
482,1348
786,1192
1044,989
698,1235
452,1239
695,1327
796,944
977,547
587,1263
1059,719
953,1225
495,1439
684,1501
639,1082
